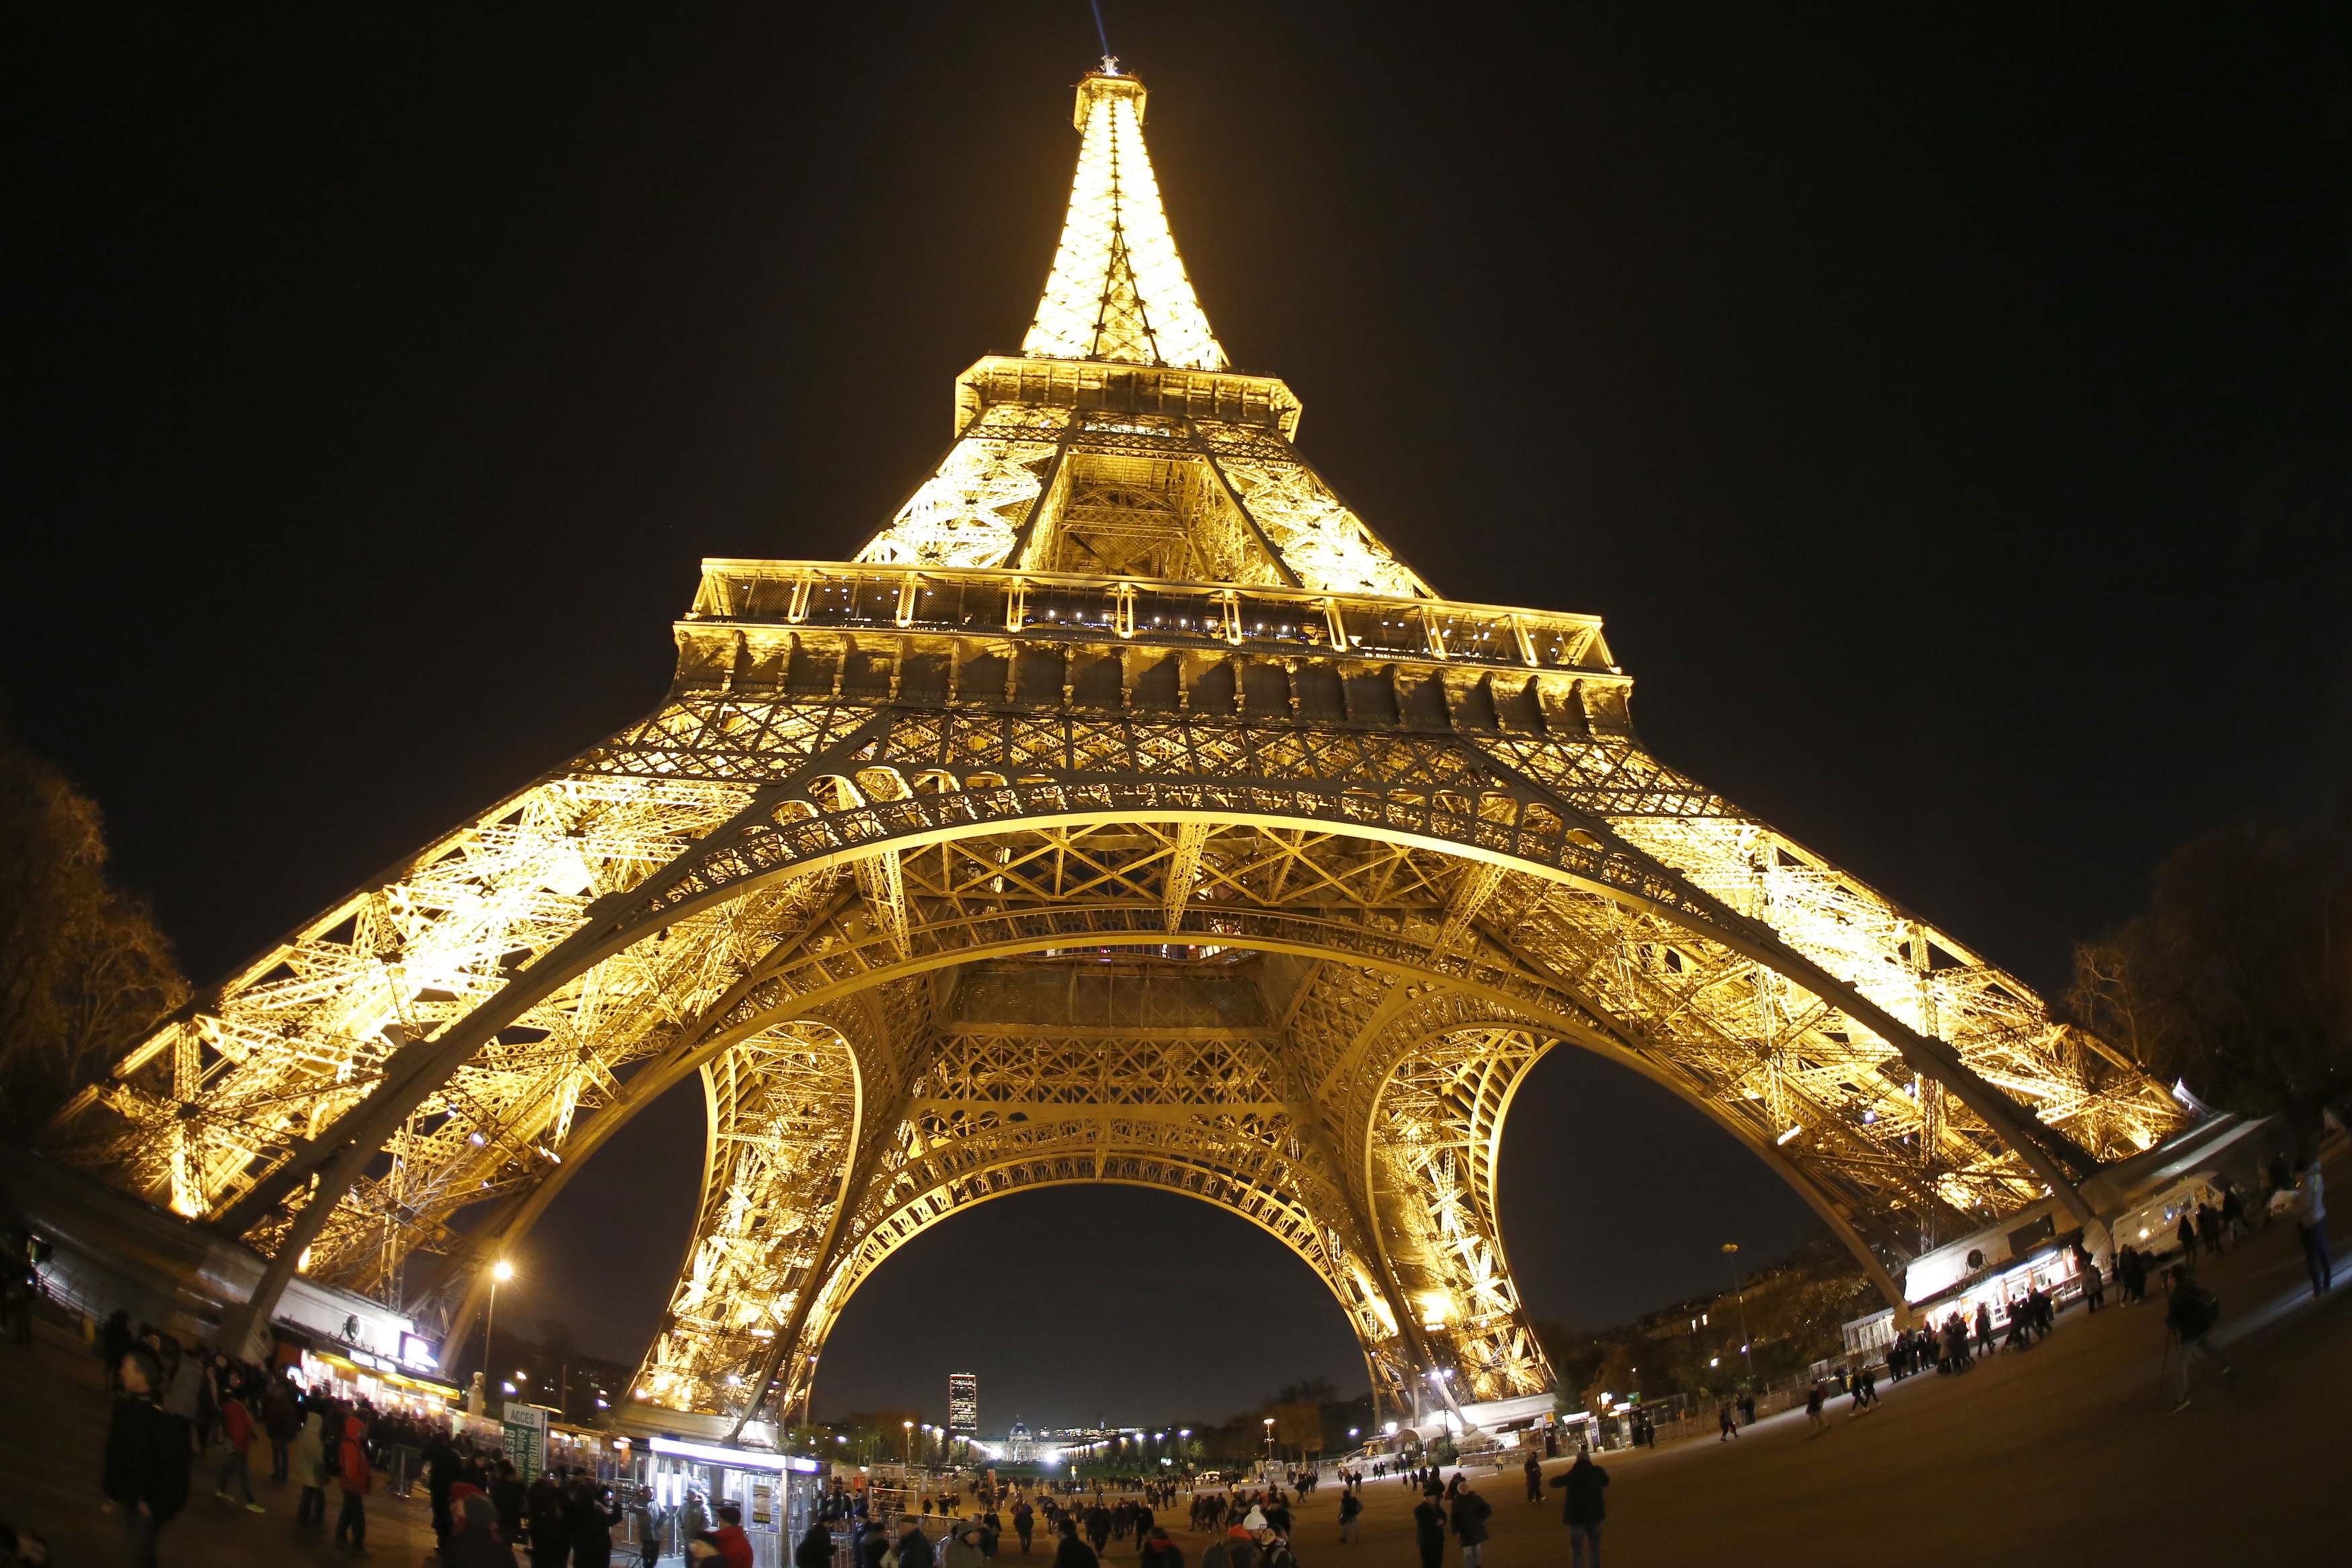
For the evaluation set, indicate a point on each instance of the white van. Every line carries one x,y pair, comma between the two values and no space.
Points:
2153,1225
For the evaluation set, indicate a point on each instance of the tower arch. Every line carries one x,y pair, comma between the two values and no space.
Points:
1124,690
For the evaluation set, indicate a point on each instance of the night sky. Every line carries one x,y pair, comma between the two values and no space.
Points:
1949,418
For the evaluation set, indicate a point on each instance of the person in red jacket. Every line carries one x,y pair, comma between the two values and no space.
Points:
237,1422
354,1474
734,1546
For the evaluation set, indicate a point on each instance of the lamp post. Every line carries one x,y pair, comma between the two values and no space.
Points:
1269,1445
1731,1258
500,1272
910,1444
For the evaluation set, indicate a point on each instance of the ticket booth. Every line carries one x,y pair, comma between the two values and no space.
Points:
779,1493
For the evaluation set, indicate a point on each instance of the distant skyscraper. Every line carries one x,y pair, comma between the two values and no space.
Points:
963,1403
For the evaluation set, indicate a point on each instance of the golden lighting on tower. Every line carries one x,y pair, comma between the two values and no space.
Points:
1117,290
1208,808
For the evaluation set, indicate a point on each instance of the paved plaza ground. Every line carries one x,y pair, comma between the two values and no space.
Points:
2068,1453
50,1444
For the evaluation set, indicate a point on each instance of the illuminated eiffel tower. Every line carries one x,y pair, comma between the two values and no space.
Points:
1127,811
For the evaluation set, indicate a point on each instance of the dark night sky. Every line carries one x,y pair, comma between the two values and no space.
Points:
1949,416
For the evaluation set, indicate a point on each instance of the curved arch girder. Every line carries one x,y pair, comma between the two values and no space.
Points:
1194,1109
1419,856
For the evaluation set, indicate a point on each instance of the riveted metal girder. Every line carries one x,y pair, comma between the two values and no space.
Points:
1127,812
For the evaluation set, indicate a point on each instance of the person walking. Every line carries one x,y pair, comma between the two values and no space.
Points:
1583,1481
237,1425
279,1424
115,1340
1159,1548
1351,1508
1470,1514
963,1548
2311,1202
307,1460
1813,1401
474,1538
2233,1214
550,1532
509,1501
353,1476
2191,1316
1024,1522
2188,1233
1726,1427
144,1472
1428,1532
1072,1553
1534,1472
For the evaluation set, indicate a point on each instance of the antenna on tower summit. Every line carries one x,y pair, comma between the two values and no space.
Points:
1109,60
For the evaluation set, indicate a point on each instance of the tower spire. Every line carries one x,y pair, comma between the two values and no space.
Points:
1117,290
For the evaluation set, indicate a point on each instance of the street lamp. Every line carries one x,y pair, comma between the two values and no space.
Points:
500,1272
1269,1443
1731,1258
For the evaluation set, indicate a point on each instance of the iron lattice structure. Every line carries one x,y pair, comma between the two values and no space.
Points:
1127,811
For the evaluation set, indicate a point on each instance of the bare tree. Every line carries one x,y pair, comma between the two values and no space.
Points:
2237,979
83,969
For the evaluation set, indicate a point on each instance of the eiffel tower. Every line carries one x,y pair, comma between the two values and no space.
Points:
1125,812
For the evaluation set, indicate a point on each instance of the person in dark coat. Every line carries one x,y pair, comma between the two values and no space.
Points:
114,1339
508,1500
1234,1549
551,1537
144,1474
1533,1468
474,1540
1073,1553
440,1461
589,1519
1428,1530
1470,1511
1584,1482
815,1549
915,1550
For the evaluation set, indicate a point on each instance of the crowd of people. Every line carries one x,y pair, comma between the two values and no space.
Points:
184,1416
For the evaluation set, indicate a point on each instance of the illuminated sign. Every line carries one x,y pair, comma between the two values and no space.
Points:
734,1459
